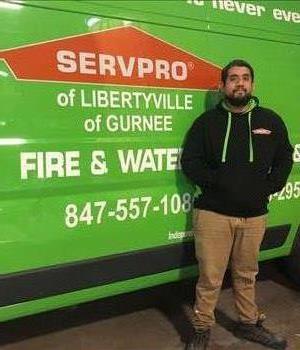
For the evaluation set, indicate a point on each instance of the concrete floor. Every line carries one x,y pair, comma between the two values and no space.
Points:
153,319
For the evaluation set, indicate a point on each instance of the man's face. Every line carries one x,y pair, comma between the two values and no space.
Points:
238,86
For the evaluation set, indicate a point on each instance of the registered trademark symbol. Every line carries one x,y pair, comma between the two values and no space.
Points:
191,65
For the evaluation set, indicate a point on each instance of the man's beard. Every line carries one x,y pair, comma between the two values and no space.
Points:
239,101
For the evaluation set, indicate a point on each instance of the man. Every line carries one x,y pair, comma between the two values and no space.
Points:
238,154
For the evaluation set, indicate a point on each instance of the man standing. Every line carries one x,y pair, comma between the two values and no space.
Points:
238,154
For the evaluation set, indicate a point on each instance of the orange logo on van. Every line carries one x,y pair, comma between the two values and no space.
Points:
122,56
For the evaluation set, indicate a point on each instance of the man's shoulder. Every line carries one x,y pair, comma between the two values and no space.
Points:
206,116
271,117
265,109
268,113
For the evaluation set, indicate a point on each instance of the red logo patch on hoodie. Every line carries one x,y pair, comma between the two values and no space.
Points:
262,131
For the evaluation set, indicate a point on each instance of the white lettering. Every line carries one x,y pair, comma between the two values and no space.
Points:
72,163
296,155
277,14
239,7
133,100
107,65
67,61
27,163
287,16
228,5
98,164
145,66
87,63
142,123
126,71
48,164
157,159
162,69
179,71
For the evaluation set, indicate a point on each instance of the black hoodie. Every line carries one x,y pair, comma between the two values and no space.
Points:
237,160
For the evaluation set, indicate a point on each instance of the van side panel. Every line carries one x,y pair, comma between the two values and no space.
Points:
96,99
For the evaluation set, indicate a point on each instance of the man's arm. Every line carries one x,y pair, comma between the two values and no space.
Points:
194,159
283,160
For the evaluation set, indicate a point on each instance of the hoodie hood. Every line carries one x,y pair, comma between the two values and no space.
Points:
253,102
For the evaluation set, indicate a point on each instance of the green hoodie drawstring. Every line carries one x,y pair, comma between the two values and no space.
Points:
226,138
225,145
250,138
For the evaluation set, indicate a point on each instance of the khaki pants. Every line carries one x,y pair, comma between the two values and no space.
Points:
218,239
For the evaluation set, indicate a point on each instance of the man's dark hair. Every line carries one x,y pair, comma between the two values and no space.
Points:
236,63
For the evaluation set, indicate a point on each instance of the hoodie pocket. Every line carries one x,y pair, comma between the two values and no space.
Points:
244,187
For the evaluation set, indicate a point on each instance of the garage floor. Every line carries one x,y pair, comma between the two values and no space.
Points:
154,319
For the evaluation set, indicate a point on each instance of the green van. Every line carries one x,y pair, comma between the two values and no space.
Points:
96,98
